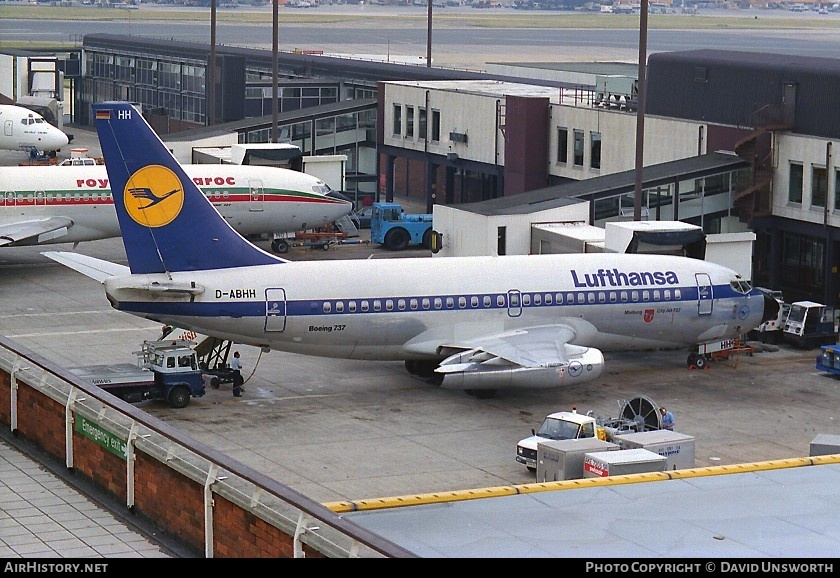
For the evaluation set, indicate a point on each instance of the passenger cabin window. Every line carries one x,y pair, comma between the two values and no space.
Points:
327,307
352,306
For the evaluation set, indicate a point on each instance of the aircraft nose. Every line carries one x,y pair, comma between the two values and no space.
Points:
55,140
771,309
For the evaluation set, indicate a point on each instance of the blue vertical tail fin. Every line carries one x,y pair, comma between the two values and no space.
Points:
167,223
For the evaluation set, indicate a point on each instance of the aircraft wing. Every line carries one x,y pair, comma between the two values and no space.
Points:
34,231
88,266
539,356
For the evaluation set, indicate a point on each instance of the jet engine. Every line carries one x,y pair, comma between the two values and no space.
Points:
476,369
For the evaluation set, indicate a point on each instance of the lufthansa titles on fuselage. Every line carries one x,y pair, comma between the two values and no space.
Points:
617,278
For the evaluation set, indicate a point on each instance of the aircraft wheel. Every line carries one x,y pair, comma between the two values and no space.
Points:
214,382
397,239
484,393
280,246
411,366
179,397
700,361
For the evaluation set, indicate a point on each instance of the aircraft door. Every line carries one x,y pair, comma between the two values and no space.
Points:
514,299
257,195
275,310
7,128
705,293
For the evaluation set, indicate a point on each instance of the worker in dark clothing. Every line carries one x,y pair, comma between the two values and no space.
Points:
236,366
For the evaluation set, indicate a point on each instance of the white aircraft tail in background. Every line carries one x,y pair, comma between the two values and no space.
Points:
26,130
475,323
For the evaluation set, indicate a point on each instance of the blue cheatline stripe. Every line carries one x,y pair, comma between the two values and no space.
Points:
315,307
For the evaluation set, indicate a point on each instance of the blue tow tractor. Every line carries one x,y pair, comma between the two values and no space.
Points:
394,229
829,360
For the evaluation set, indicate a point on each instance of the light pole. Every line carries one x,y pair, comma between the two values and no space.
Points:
210,93
640,112
274,86
429,37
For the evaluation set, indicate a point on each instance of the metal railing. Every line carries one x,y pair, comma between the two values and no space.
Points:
308,522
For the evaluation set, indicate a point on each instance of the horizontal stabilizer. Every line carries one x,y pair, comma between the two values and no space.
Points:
88,266
34,230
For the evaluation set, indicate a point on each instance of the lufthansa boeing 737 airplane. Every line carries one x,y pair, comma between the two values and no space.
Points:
476,323
71,204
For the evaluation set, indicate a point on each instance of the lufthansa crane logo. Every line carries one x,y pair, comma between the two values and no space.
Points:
153,196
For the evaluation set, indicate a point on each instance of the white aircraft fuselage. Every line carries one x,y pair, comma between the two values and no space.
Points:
431,308
26,130
252,199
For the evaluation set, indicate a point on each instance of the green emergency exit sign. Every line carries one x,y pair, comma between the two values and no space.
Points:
100,435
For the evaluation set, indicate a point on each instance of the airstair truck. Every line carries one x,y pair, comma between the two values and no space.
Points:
166,370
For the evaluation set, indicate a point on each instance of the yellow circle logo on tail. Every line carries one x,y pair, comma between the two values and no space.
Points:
153,196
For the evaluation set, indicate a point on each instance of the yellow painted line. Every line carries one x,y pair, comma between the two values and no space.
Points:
499,491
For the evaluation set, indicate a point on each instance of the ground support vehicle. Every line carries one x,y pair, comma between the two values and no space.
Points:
810,325
393,228
829,359
636,415
770,331
166,370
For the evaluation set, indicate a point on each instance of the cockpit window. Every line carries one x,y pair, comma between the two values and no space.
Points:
321,188
740,285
